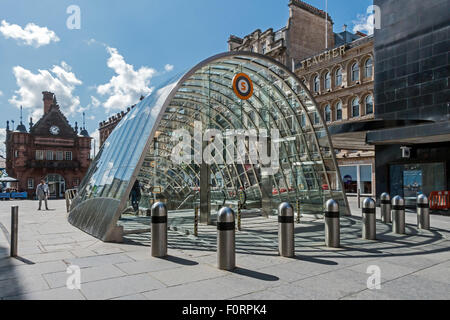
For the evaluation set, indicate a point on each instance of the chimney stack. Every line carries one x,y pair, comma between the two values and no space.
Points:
48,100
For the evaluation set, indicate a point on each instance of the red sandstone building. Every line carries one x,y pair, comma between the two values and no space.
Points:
51,150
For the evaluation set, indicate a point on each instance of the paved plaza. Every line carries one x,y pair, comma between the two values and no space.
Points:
413,266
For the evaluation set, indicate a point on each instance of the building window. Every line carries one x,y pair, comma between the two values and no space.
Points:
369,104
327,113
30,183
316,118
357,177
39,155
59,155
355,72
339,111
76,182
327,80
16,153
368,68
303,120
264,48
49,155
355,107
338,80
316,84
68,155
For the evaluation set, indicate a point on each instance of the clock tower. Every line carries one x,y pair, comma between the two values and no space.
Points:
52,150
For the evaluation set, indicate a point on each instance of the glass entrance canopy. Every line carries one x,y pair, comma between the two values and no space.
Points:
197,142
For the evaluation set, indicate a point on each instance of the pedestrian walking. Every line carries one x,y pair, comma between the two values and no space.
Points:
42,193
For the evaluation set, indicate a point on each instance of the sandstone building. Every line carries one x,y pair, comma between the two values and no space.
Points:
50,150
338,70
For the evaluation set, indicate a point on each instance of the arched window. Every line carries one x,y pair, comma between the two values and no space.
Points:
355,107
338,79
368,68
316,84
339,111
355,72
369,104
327,80
327,113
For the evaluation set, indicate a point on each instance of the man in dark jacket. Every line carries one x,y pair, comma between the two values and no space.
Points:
135,195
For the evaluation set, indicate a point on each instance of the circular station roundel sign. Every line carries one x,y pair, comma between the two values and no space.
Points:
243,86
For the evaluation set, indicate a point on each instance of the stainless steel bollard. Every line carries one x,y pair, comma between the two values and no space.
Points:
369,221
385,206
14,230
226,252
286,247
332,224
298,212
159,230
423,212
398,215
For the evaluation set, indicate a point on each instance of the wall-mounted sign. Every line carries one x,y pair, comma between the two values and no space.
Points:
243,86
323,57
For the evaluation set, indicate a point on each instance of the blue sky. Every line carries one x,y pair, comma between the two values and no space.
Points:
123,48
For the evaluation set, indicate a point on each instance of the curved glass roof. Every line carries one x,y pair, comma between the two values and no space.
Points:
142,146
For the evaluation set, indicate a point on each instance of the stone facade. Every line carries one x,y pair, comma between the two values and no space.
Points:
340,76
51,150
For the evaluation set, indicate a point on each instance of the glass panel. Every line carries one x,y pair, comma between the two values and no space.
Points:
349,176
365,176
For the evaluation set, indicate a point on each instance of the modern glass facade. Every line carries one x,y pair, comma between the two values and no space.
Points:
203,108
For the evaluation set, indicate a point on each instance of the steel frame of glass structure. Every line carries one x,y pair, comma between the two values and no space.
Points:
141,146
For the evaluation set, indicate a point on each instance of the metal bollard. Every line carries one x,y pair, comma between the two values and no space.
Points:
239,216
369,221
332,224
398,215
423,212
196,221
298,212
159,230
286,247
14,230
385,206
226,253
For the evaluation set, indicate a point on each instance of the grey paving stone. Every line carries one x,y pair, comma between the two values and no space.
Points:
119,287
187,274
201,290
262,295
138,296
58,279
152,264
25,270
52,294
25,284
50,256
99,260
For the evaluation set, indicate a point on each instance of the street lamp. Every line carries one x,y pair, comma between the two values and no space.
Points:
155,147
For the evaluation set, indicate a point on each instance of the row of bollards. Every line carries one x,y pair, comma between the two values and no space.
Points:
226,228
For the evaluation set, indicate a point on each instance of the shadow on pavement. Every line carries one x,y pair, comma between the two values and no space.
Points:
255,274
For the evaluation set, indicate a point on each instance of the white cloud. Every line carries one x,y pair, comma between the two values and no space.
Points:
59,80
126,87
364,23
168,67
32,35
94,102
2,142
1,93
96,137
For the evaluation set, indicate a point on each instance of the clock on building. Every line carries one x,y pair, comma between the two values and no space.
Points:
54,130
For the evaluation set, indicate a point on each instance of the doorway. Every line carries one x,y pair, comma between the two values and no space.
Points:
56,186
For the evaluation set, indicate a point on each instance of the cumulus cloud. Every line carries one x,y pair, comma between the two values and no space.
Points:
96,137
168,67
60,80
1,93
364,23
126,87
94,102
31,35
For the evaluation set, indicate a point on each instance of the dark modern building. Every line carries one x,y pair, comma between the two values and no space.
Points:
412,98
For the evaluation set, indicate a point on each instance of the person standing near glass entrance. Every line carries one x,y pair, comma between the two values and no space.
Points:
42,193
